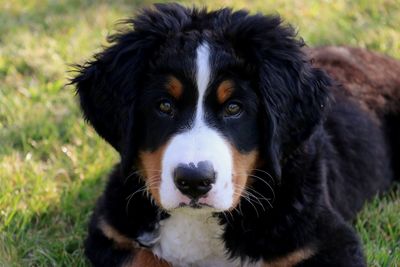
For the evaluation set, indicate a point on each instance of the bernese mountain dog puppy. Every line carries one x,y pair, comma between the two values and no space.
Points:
237,148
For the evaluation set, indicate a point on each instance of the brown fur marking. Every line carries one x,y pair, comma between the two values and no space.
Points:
145,258
151,164
224,91
243,165
369,78
175,87
142,257
120,241
291,259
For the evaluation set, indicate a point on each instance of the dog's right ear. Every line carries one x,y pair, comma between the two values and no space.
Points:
108,85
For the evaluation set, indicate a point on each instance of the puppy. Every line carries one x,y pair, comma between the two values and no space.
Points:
237,148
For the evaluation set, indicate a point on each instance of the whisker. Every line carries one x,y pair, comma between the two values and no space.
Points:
265,172
266,183
256,198
144,188
140,173
253,193
245,197
251,196
261,196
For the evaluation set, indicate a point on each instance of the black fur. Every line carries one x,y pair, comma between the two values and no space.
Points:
326,156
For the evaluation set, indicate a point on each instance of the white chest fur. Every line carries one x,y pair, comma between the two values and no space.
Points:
192,238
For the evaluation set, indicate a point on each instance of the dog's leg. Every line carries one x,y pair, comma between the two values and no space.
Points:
106,247
339,248
333,243
144,257
104,251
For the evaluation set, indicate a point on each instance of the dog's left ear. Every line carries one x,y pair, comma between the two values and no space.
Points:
292,110
294,94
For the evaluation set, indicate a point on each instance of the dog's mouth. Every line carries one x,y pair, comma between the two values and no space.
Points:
194,204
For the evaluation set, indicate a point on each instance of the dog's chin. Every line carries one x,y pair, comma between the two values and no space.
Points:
195,206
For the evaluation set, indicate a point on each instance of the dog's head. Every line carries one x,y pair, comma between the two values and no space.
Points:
196,101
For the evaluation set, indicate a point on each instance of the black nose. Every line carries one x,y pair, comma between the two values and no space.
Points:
194,181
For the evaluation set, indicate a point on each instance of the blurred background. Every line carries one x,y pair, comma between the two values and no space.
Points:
53,166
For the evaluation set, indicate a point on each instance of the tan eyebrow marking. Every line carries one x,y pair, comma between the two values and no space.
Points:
224,91
174,87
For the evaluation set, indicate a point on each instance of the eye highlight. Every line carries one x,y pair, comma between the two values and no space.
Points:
165,106
232,109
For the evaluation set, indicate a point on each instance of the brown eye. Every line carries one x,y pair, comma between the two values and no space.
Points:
233,109
166,107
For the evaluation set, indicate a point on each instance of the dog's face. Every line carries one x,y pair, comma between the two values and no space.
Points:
199,127
195,101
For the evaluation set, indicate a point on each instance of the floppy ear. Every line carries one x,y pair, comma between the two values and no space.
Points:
294,95
294,108
108,85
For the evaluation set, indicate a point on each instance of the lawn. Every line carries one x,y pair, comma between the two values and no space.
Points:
53,166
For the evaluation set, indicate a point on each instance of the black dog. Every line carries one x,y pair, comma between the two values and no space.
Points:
235,149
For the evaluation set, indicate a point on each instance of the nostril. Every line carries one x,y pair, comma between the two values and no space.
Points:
182,185
206,182
207,170
194,181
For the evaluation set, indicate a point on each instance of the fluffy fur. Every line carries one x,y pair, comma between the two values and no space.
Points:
289,171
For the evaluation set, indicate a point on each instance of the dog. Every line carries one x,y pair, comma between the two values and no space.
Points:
239,145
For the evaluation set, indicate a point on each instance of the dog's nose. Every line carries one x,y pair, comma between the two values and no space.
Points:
193,181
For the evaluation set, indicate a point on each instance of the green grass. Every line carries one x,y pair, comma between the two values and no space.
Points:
53,166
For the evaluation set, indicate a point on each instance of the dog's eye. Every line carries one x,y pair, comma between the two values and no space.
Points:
165,106
233,109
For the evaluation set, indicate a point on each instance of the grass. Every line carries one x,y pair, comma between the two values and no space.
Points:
53,166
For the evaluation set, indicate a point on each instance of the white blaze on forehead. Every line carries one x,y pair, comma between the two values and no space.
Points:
203,75
199,143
